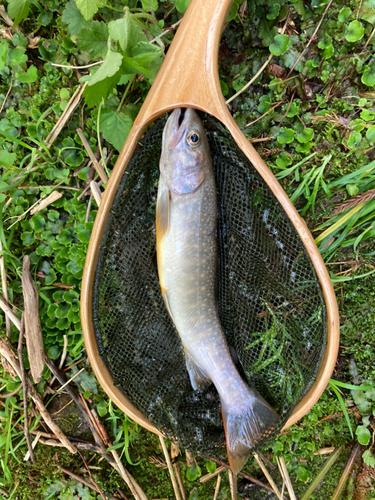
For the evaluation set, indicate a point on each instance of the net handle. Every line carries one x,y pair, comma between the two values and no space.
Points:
189,78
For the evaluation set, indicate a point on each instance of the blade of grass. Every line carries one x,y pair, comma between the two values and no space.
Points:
343,407
339,223
351,387
322,473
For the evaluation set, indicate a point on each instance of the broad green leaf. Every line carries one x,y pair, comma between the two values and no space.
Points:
274,11
127,32
150,5
224,88
368,458
367,115
264,104
4,186
367,11
131,66
344,14
232,12
193,472
352,189
285,136
17,57
101,408
110,66
305,136
363,435
147,56
303,474
54,352
355,31
368,76
210,466
304,147
94,39
279,45
19,40
283,160
88,7
7,158
74,19
370,134
182,5
354,140
115,127
293,110
18,10
29,77
95,93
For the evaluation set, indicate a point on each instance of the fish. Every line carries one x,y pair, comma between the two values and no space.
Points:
186,248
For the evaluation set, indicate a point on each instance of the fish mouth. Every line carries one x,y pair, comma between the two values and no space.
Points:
177,123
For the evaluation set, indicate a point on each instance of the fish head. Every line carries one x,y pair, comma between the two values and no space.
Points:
185,157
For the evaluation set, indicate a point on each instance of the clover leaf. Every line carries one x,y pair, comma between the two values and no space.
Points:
279,45
355,31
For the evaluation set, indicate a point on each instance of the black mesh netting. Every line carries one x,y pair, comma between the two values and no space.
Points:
269,298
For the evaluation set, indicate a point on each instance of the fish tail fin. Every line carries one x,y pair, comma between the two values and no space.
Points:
245,425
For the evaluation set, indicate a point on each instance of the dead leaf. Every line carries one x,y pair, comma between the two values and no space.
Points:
276,70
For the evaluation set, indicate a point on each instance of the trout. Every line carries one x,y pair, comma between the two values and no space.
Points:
187,262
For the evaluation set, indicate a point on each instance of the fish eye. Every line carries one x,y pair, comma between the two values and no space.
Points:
193,139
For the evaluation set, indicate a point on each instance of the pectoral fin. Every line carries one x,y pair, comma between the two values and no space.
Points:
163,211
198,377
166,302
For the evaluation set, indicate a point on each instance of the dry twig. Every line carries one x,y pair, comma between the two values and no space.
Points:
99,169
242,474
33,329
232,484
349,465
268,476
175,451
54,196
207,477
285,475
95,191
24,385
217,487
170,469
8,354
264,114
81,480
98,489
4,286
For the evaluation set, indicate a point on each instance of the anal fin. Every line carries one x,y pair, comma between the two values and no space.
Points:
198,376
